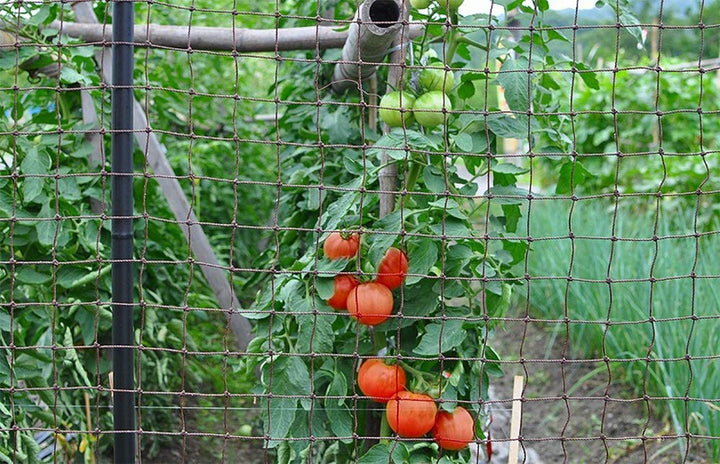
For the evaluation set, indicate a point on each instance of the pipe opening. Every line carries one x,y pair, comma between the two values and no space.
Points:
385,13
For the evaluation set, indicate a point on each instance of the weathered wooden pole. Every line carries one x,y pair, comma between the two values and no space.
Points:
376,26
217,38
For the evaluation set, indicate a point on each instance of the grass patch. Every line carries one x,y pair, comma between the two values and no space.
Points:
633,298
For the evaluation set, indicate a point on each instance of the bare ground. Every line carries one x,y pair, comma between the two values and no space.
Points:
566,411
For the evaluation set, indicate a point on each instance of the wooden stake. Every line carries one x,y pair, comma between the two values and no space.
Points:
515,420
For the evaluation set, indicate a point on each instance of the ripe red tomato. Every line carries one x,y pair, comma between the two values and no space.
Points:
370,303
454,430
392,269
411,415
343,285
336,246
380,381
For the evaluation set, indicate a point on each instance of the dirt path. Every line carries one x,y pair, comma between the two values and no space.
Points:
583,415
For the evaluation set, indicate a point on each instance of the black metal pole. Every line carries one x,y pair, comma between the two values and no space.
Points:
122,232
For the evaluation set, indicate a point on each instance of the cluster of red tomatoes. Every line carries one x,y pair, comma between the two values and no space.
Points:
369,302
412,415
409,414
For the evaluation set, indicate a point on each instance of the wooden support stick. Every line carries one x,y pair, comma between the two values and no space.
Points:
377,24
515,420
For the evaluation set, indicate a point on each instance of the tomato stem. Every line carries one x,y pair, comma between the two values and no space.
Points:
412,175
417,373
384,427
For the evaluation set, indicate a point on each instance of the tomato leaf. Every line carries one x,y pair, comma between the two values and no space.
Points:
434,179
35,163
395,453
464,142
571,175
514,78
337,387
325,287
505,126
440,337
341,421
589,78
422,255
336,211
379,243
512,217
281,417
422,301
449,398
508,195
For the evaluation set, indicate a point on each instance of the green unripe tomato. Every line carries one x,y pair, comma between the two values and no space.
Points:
390,109
436,79
245,430
420,4
428,108
454,4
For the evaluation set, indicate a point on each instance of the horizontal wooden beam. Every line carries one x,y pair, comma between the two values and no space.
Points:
219,38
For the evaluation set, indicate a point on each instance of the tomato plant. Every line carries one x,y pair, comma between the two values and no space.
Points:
338,245
452,244
370,303
392,269
453,430
411,415
380,381
342,287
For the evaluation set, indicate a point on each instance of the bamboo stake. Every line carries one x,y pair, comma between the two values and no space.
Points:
376,25
388,175
515,420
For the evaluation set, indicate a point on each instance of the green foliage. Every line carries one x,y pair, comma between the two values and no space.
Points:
60,284
631,299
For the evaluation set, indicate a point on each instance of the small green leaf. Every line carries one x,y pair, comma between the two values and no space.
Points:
35,163
395,453
27,275
440,338
421,302
512,216
422,255
508,195
281,417
434,179
325,287
505,126
571,175
509,168
542,5
464,142
589,78
379,243
341,422
466,90
69,76
514,78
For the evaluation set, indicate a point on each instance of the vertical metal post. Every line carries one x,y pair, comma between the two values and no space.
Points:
122,232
